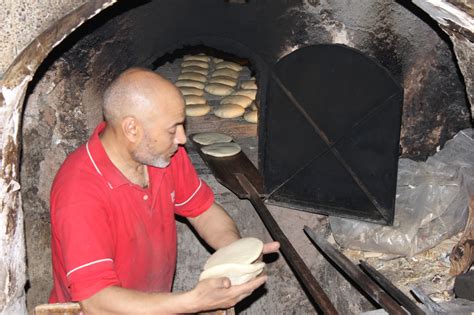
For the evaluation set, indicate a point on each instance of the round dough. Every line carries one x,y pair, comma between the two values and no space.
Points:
188,63
237,273
224,80
199,57
195,69
197,110
207,138
248,85
190,83
252,94
194,99
186,90
241,100
218,89
243,251
225,73
221,149
251,116
229,111
229,65
192,76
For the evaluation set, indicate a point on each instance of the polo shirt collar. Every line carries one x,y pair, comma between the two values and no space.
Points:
101,161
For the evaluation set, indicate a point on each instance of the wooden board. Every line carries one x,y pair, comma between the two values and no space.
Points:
225,169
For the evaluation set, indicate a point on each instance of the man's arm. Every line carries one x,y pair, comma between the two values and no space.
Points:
209,294
216,227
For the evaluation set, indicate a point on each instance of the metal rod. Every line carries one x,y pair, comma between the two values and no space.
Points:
361,279
394,292
292,257
431,306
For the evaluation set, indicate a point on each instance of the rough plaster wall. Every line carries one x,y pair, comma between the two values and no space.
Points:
24,20
12,264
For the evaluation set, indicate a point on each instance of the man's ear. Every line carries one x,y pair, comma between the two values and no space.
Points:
131,129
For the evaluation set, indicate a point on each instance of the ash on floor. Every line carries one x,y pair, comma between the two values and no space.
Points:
428,270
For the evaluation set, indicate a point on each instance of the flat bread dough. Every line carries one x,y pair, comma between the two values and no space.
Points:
248,85
229,65
237,273
243,251
229,111
194,99
224,80
192,76
241,100
186,90
195,69
252,94
188,63
189,83
218,89
221,149
225,73
251,116
207,138
197,110
217,60
200,57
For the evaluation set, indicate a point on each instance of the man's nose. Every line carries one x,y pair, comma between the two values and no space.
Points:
180,135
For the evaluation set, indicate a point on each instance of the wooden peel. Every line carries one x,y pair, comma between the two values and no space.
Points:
58,309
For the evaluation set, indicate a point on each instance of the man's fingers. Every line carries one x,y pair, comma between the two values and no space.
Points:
226,283
252,284
270,247
220,283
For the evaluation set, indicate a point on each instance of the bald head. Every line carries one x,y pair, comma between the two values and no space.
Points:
136,93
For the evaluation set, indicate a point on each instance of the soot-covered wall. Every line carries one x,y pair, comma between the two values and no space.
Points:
63,105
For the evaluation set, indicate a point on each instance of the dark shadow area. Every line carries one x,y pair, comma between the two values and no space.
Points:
198,49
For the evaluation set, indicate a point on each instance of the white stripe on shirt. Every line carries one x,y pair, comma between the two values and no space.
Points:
93,163
89,264
195,192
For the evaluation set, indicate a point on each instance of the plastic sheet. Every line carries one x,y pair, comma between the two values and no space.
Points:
431,204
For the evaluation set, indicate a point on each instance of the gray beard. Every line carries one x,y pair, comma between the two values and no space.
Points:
159,161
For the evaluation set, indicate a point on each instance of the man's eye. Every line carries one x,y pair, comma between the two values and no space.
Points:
172,131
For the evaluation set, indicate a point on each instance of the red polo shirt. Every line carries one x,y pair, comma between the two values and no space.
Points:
108,231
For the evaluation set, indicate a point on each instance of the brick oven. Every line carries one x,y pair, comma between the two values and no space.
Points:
60,107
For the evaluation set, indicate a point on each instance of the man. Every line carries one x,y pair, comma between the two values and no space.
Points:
113,204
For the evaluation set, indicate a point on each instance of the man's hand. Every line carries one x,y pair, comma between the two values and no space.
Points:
269,248
217,293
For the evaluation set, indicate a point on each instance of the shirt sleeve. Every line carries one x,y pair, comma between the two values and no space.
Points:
193,195
82,230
